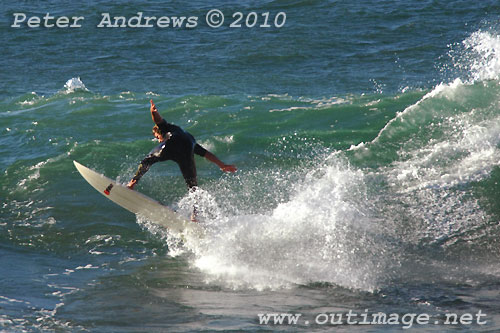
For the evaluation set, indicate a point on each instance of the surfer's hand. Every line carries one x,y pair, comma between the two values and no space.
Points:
153,106
228,168
157,119
131,184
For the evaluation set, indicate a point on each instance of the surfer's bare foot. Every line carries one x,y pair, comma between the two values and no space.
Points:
193,217
131,184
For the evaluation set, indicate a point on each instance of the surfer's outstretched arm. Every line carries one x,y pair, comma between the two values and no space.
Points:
143,168
224,167
155,114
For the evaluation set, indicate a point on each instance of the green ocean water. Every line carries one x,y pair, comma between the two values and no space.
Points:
358,192
368,165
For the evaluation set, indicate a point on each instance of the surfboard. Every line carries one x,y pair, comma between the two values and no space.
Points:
139,203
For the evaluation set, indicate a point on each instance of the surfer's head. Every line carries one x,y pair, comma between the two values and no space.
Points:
157,132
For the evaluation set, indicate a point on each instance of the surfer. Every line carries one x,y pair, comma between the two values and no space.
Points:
179,146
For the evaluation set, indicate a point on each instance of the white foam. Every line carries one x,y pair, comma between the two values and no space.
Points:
483,59
36,170
320,234
456,146
293,108
11,300
31,101
74,84
313,104
432,182
225,139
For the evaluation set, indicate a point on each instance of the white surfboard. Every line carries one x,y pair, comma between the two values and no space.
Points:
139,204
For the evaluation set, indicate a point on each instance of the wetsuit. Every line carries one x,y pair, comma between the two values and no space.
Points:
180,148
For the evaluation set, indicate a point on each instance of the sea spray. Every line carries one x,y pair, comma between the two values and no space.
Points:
477,58
74,84
323,233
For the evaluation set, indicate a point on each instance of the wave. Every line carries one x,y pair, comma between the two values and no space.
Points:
346,190
412,193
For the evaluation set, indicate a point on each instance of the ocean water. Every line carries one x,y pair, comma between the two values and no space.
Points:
367,137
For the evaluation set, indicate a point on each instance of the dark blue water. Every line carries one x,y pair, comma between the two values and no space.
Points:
367,140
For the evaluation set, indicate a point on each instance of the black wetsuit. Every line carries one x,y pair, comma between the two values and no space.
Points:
180,148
